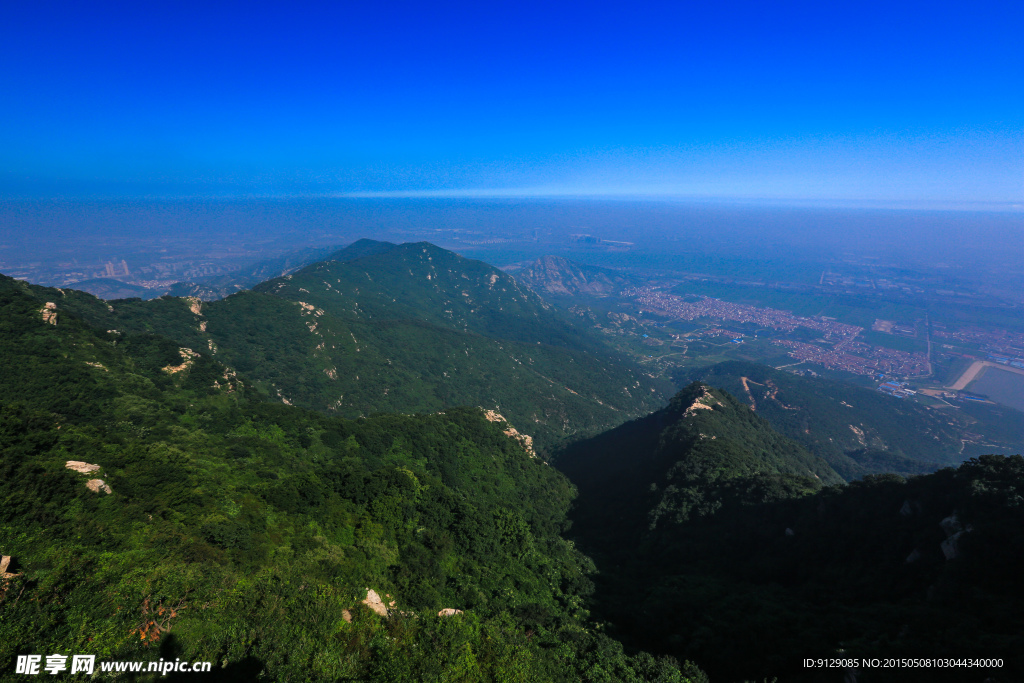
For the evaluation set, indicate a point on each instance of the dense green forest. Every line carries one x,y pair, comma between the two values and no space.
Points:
403,328
222,525
715,543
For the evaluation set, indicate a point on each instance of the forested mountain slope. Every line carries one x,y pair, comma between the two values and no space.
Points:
210,524
705,449
419,281
406,328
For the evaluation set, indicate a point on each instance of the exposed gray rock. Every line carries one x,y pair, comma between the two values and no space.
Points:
951,525
49,313
949,546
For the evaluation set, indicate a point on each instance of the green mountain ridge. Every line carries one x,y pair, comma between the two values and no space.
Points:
359,248
402,328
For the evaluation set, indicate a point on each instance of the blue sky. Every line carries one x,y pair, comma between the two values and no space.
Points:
890,102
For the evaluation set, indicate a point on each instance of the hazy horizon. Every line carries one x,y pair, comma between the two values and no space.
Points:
662,235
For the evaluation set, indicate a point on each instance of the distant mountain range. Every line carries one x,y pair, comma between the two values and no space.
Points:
220,286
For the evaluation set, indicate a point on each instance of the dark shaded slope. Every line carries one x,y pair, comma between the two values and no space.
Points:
704,450
883,568
713,544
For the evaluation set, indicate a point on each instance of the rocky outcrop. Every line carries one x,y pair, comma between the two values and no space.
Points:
859,433
374,602
49,313
82,467
379,607
195,304
5,564
949,546
951,525
954,530
94,485
188,356
97,485
705,401
525,440
231,381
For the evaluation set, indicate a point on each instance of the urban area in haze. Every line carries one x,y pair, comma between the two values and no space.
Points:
670,343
